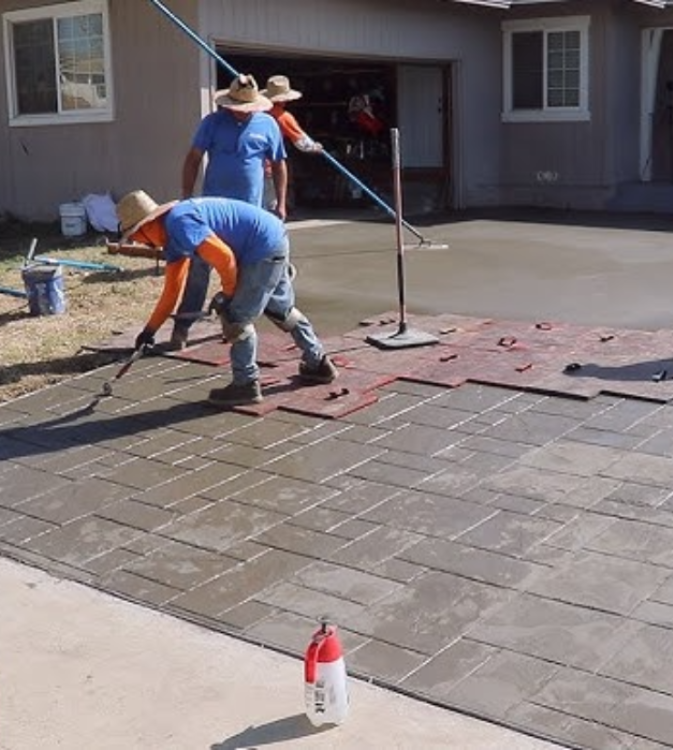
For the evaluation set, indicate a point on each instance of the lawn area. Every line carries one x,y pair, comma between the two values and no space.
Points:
36,350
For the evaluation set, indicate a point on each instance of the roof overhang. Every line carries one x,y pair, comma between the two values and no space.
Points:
507,4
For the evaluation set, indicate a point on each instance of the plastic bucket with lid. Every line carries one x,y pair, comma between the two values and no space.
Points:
73,219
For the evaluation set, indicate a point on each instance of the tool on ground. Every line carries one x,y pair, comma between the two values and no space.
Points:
13,292
31,251
107,385
424,241
81,264
134,250
21,292
191,317
325,678
404,337
572,367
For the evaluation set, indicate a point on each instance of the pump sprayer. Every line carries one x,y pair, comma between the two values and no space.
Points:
325,678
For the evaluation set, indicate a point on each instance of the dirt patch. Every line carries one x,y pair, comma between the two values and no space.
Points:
36,351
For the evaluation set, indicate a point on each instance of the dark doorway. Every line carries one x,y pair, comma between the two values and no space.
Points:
335,92
662,125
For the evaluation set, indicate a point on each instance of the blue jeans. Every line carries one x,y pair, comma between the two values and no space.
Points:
265,287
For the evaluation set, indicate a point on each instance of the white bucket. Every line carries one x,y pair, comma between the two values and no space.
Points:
73,219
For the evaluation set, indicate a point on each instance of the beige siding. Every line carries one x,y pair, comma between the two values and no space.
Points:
163,79
392,28
157,103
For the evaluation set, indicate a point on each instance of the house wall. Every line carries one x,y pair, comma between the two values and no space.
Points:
157,102
586,161
393,30
562,164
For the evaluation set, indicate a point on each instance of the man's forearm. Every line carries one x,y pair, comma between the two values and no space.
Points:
190,170
279,172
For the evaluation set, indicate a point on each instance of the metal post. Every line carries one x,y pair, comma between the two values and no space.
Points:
404,337
397,192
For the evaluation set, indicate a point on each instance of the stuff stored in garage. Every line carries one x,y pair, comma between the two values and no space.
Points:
349,107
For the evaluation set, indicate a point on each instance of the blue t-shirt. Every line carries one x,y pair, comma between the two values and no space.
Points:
236,152
251,232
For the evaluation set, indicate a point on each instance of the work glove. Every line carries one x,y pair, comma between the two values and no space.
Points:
145,339
219,304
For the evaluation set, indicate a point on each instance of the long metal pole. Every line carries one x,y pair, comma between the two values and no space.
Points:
397,190
207,48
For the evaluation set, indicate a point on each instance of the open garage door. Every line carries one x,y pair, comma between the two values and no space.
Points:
350,106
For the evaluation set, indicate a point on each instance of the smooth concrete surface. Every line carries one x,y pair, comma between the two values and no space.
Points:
81,669
589,269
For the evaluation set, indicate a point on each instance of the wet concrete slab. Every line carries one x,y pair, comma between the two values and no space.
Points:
499,548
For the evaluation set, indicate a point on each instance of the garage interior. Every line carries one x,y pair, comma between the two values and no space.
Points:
349,106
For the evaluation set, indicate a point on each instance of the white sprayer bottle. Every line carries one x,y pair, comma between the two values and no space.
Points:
325,678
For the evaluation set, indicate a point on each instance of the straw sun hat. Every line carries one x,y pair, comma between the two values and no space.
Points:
278,90
243,96
136,209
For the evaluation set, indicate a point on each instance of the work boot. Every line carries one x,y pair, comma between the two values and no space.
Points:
179,339
176,343
324,372
236,394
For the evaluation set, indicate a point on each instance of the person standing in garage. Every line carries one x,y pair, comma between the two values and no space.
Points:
279,92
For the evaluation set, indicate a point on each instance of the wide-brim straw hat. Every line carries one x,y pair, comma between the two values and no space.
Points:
278,89
243,96
137,208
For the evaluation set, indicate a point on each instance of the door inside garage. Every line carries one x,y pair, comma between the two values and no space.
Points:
350,107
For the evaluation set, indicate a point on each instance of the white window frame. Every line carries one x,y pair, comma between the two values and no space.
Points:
51,12
544,25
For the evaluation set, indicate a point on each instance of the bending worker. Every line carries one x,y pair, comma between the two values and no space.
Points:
249,249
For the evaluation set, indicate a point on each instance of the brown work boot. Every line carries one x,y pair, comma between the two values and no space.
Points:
176,343
324,372
179,339
236,394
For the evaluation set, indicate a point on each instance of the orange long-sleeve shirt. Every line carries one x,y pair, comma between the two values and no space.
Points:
213,251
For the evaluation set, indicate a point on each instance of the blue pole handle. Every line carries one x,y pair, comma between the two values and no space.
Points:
370,193
194,36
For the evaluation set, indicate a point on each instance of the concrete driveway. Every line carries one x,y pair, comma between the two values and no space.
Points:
499,551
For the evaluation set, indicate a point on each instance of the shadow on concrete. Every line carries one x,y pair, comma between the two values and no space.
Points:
57,366
560,217
83,426
652,370
281,730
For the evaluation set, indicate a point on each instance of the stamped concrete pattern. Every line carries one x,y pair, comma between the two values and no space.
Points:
491,532
489,549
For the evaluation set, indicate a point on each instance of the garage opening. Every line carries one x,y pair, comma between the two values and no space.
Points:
350,106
